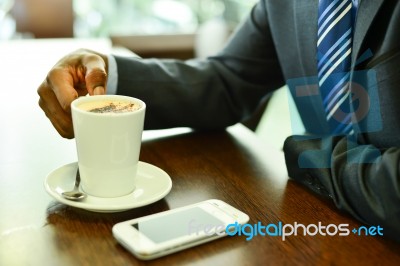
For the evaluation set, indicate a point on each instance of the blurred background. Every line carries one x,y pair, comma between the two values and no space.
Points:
139,25
179,29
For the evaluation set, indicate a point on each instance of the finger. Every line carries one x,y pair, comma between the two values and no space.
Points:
99,90
60,119
61,81
96,75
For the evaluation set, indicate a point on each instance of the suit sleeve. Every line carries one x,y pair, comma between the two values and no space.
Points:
361,179
212,93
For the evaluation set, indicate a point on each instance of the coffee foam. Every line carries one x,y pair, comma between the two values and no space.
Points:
109,106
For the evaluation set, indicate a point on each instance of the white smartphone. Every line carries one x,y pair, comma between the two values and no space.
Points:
163,233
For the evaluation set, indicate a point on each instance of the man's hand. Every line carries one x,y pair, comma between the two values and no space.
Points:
77,74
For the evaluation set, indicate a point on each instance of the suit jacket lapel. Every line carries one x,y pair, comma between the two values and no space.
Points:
367,11
306,27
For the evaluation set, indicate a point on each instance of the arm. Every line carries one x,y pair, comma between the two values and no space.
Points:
361,180
211,93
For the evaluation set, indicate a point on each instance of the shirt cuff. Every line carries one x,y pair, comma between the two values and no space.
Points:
112,80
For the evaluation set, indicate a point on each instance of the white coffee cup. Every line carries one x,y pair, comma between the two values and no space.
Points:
108,144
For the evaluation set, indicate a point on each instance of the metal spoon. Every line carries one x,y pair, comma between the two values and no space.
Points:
75,194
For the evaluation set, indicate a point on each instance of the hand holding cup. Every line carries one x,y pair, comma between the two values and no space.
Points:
79,73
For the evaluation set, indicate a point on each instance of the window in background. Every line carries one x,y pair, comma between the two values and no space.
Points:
7,23
102,18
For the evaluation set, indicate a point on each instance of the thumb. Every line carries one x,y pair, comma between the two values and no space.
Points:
96,75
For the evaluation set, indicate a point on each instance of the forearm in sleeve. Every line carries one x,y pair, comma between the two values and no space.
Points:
362,180
213,93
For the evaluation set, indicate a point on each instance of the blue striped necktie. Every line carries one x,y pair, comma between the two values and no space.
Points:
335,21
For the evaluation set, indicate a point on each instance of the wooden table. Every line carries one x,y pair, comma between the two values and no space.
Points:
231,165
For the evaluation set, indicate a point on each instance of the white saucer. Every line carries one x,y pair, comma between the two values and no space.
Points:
152,185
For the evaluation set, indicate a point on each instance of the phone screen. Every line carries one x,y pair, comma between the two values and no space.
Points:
174,225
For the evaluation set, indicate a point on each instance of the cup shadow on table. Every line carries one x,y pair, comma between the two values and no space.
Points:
69,224
59,214
56,211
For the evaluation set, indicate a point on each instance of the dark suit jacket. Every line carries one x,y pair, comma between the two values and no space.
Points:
277,44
